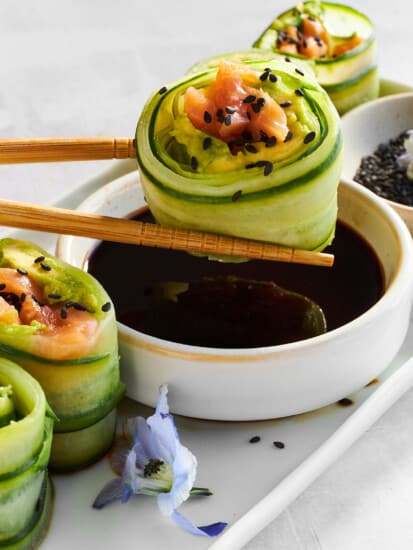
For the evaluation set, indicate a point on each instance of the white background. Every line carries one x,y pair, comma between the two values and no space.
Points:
85,68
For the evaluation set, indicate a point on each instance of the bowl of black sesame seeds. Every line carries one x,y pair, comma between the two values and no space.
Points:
378,150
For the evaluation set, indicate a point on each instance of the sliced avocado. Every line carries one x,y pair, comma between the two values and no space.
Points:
53,275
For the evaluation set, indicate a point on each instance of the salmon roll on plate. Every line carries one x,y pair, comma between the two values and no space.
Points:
246,145
26,427
341,42
58,323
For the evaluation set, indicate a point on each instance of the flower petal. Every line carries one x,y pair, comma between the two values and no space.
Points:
112,491
162,407
118,455
184,473
145,443
212,530
163,428
130,477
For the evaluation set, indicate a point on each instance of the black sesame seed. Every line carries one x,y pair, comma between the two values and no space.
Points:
250,99
207,143
236,195
163,90
44,266
230,110
256,107
39,259
288,136
287,59
264,76
345,402
194,163
278,444
21,271
250,165
248,115
261,101
261,163
2,286
255,439
246,135
309,137
207,117
11,298
299,92
286,104
106,307
273,77
69,304
250,148
22,297
299,71
220,115
268,168
63,313
271,141
78,306
54,296
227,120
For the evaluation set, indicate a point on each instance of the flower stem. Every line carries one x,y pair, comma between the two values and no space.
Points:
202,491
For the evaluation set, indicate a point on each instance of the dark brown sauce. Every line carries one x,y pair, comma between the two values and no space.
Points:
132,274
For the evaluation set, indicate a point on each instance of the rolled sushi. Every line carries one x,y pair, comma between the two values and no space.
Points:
247,146
59,324
339,39
26,427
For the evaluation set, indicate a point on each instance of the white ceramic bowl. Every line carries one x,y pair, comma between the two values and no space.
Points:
370,124
269,382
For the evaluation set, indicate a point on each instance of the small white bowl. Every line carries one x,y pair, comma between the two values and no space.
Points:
275,381
373,123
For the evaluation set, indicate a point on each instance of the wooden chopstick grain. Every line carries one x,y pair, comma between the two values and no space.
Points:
67,222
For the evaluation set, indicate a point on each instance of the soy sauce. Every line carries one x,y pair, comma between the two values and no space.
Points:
133,275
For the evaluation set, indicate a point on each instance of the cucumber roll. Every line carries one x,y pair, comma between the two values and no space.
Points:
246,145
339,39
26,427
58,323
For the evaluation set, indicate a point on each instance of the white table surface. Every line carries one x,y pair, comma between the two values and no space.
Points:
85,68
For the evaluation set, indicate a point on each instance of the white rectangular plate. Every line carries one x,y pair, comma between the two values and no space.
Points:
252,483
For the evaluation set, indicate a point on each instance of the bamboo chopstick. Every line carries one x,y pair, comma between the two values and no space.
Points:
68,222
13,151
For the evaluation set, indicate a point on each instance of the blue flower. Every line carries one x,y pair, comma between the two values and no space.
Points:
158,465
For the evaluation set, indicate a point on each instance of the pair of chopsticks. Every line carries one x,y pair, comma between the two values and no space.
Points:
68,222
